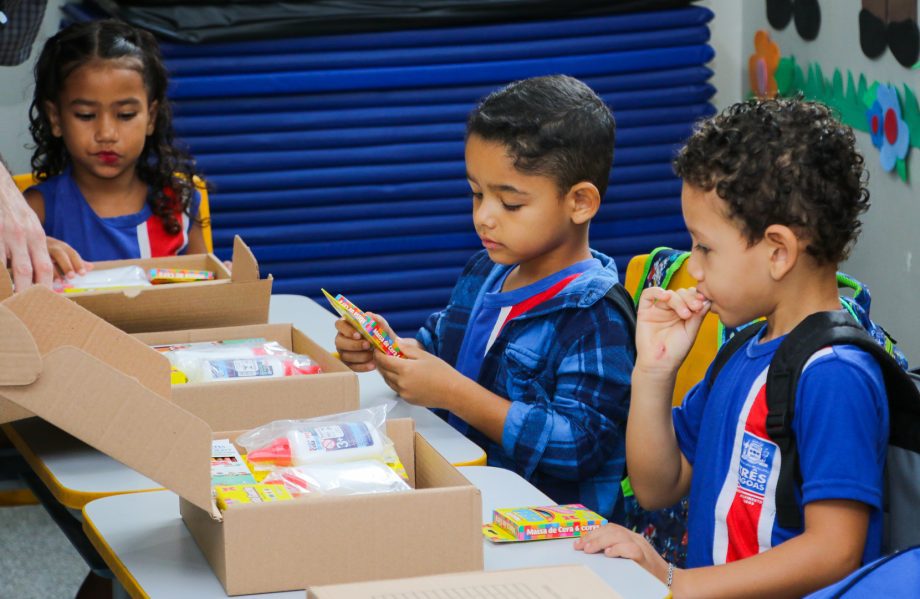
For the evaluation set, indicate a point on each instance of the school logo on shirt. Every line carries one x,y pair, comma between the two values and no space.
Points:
754,467
746,508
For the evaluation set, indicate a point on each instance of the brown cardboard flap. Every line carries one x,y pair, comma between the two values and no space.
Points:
245,267
402,432
6,284
54,321
20,362
120,417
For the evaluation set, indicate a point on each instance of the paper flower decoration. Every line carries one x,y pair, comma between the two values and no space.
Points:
876,122
762,65
894,131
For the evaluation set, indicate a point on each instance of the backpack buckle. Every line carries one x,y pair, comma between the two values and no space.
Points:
778,424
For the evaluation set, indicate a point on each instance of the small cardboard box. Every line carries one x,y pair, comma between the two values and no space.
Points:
571,582
112,392
243,404
236,298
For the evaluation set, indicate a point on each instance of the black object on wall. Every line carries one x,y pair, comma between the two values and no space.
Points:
199,21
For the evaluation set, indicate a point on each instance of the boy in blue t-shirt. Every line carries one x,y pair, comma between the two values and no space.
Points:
772,196
529,359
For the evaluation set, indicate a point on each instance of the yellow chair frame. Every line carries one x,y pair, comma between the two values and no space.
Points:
707,341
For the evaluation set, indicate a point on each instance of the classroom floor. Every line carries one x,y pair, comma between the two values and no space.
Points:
36,559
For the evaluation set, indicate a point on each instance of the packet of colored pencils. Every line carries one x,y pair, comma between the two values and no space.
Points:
158,276
367,326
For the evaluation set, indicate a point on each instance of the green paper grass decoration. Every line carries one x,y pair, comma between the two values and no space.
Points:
850,101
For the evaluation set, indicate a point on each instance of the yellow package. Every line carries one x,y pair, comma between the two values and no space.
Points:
510,525
258,474
229,495
397,466
176,376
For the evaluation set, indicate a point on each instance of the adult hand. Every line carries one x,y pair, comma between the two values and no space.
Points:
22,239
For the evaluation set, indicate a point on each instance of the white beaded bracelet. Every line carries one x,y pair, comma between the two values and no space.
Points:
670,574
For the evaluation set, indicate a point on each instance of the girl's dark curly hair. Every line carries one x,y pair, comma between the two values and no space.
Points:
166,169
783,161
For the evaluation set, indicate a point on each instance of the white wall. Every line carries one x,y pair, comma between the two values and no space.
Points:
16,94
884,255
729,41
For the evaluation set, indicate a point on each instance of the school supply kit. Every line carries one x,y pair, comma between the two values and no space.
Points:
129,277
234,359
340,454
125,407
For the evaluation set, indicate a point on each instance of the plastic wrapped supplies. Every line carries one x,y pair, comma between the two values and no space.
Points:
235,360
348,478
125,277
340,454
328,439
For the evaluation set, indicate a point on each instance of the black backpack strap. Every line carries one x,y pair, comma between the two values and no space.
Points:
815,332
731,346
624,303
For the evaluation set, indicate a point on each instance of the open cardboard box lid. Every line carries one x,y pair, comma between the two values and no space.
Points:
102,386
235,298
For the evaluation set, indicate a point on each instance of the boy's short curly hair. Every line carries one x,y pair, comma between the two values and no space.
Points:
554,126
783,161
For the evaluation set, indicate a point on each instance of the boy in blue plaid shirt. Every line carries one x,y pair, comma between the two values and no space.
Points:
529,360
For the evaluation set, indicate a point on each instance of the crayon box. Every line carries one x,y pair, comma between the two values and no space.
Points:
539,523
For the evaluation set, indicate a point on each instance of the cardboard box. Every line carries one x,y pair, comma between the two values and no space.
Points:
244,404
571,582
112,392
236,298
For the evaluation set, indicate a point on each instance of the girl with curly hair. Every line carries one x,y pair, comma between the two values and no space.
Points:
112,183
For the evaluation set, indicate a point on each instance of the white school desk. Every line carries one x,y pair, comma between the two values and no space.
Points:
76,473
147,546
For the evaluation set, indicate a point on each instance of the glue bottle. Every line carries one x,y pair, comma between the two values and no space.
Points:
222,369
325,443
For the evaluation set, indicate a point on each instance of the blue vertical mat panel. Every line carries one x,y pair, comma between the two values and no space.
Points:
339,159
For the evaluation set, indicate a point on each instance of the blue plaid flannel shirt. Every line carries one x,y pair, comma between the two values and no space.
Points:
565,366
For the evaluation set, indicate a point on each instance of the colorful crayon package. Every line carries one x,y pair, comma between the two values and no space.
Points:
510,525
367,326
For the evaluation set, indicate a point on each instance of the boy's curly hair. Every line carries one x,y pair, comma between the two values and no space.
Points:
167,170
554,126
782,161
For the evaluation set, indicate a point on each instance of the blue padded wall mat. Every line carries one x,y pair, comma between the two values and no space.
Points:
339,158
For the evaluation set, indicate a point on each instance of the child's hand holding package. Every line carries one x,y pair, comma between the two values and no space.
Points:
360,333
666,326
354,350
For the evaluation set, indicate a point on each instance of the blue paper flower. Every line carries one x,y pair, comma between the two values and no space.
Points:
876,121
895,134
